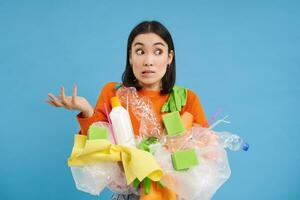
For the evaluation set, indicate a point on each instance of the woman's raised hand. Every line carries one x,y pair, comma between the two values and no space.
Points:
73,102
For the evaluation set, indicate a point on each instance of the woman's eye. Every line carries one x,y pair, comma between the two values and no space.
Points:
139,52
158,52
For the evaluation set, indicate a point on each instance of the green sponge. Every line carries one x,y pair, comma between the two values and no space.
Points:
183,160
173,123
96,132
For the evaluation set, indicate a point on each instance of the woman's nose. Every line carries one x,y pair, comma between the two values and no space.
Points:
146,64
148,60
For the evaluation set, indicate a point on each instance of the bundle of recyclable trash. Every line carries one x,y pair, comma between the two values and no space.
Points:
186,158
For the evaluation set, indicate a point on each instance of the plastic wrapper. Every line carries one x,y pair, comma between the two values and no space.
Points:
197,136
142,109
203,180
94,178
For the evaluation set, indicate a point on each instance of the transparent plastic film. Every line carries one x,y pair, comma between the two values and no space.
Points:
142,109
207,177
95,177
194,137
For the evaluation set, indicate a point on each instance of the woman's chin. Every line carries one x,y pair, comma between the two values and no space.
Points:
150,84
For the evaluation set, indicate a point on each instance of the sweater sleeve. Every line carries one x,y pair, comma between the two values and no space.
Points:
194,107
99,114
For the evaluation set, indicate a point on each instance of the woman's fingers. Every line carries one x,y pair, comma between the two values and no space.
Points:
52,96
55,100
63,98
62,94
74,95
52,103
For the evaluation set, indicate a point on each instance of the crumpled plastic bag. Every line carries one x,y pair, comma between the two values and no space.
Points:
203,180
143,111
94,178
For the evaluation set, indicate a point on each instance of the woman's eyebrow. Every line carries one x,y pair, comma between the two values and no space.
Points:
158,43
138,43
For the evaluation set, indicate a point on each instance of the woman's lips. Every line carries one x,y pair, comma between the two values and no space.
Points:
148,72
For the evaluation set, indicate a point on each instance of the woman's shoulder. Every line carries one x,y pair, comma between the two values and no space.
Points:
191,95
189,92
179,98
110,86
109,89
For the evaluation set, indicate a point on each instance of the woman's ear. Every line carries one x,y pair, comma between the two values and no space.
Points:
170,57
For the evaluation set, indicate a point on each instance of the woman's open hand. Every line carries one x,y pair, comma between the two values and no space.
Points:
73,102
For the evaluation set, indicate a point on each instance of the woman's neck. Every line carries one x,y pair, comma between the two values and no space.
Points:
151,87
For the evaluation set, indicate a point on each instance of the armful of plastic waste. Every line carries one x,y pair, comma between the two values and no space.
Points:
168,158
94,163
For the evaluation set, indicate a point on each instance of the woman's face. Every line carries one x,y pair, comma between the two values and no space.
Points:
149,58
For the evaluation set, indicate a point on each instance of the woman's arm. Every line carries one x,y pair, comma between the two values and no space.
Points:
99,113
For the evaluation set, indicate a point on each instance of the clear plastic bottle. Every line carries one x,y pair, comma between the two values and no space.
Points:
232,141
121,123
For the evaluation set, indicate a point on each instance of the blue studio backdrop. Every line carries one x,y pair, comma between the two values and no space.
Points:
239,56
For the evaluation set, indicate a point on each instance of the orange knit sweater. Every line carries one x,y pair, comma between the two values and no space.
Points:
192,106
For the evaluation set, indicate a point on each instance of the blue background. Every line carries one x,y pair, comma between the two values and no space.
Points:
240,56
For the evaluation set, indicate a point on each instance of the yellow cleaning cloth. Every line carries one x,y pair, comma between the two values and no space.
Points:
137,163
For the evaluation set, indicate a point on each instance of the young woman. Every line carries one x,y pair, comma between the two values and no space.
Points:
150,68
